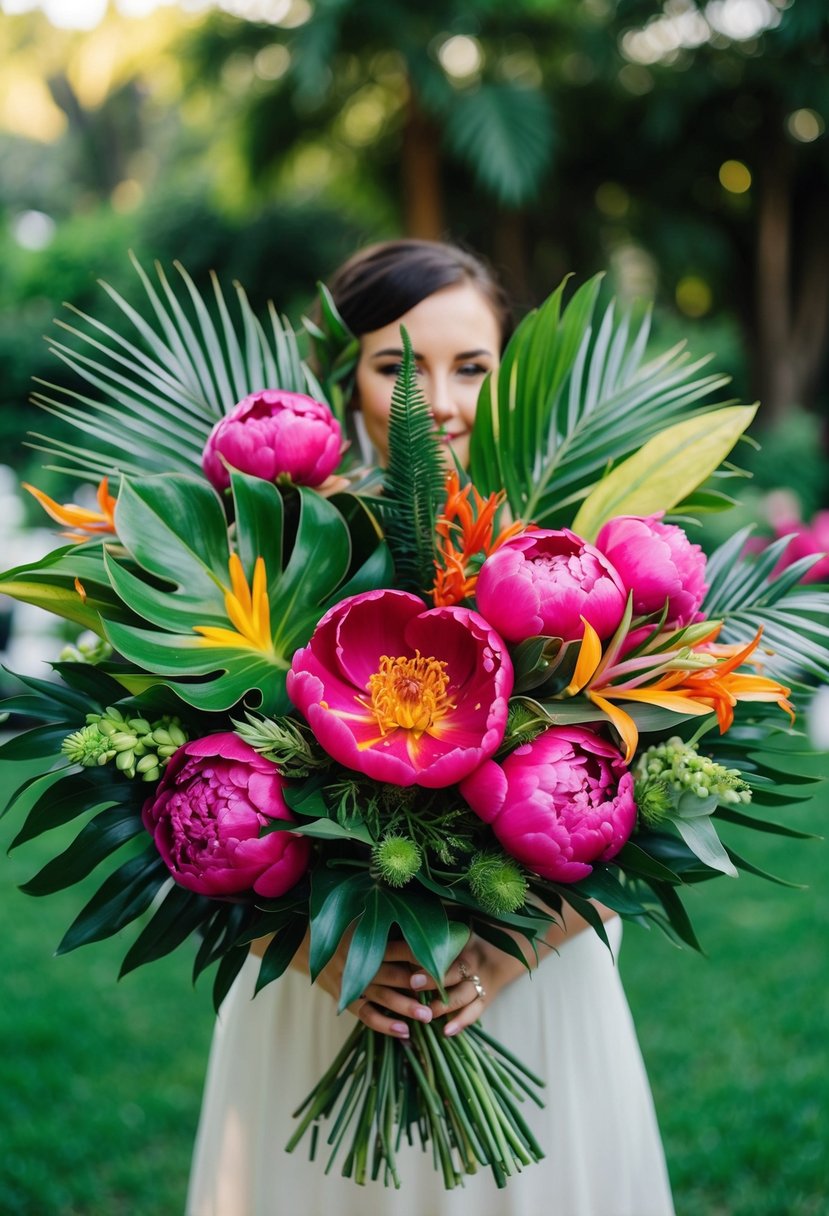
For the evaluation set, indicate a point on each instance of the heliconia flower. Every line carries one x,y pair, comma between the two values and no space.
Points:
467,531
407,695
273,434
207,815
557,804
690,675
248,609
83,522
549,582
657,563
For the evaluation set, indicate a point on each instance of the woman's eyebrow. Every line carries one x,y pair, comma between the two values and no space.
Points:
397,351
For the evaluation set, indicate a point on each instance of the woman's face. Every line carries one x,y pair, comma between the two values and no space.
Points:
456,340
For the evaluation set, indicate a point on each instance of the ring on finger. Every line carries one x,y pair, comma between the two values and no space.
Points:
466,974
475,981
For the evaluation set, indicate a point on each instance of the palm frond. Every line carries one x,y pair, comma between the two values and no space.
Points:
413,485
156,389
571,399
744,592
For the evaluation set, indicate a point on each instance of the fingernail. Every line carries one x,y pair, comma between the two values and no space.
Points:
400,1028
419,980
423,1013
451,1028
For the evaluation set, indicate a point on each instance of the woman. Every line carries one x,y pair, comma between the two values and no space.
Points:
569,1020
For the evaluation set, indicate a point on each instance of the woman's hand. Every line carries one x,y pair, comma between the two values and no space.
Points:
388,999
477,975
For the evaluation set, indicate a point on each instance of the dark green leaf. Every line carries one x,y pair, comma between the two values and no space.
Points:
277,957
123,897
336,902
101,837
367,947
178,915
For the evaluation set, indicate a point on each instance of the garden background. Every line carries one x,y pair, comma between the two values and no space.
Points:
681,147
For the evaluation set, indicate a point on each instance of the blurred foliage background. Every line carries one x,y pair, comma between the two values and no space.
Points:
679,145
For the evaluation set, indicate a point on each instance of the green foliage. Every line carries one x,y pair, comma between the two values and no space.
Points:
744,593
565,405
159,395
414,482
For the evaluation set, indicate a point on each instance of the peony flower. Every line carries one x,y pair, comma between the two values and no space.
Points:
557,804
272,434
544,582
657,562
407,695
206,816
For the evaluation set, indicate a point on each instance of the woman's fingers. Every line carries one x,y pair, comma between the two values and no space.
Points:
384,1009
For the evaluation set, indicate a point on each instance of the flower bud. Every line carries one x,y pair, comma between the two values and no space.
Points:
497,883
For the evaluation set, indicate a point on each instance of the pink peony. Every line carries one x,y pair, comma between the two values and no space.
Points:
206,816
557,804
544,582
272,434
407,695
656,562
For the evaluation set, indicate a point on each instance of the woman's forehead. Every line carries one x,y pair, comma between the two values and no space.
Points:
458,319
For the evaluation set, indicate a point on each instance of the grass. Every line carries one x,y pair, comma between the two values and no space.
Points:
100,1082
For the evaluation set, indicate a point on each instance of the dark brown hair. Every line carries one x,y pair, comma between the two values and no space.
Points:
383,282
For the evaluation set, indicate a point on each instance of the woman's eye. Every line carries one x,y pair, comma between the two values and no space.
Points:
472,369
393,369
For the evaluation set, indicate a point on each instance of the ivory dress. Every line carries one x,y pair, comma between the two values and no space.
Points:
570,1022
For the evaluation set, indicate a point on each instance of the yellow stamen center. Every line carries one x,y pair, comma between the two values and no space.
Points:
409,693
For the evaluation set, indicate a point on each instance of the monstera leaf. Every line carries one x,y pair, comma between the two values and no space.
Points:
225,618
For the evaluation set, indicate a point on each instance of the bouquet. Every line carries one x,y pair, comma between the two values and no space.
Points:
337,704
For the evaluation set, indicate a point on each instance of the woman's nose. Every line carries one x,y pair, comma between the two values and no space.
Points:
440,399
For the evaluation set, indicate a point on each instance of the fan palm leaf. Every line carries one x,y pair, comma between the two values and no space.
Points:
155,392
571,399
744,592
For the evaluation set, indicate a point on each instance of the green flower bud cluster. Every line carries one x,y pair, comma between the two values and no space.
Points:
674,768
397,859
139,748
497,882
92,652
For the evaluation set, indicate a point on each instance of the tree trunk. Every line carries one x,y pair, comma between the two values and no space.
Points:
792,310
422,192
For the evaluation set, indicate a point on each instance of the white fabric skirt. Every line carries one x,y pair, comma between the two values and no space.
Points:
569,1021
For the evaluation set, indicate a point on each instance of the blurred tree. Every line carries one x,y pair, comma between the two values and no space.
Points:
420,85
726,170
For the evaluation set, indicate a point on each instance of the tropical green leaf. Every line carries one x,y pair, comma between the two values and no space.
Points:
123,897
665,469
153,397
745,593
367,947
174,529
570,401
281,950
336,901
51,583
414,483
504,133
179,914
97,840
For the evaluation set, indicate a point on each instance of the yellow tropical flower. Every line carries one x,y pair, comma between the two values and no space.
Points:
248,610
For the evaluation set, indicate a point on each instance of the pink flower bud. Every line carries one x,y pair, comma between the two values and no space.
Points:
544,582
272,434
656,562
557,804
206,816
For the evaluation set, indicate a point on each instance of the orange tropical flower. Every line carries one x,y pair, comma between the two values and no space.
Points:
248,609
466,529
699,680
84,522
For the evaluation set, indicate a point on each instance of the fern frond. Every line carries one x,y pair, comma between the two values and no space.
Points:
744,593
414,481
159,382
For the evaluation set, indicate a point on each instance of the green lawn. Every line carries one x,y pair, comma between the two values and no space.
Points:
100,1082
